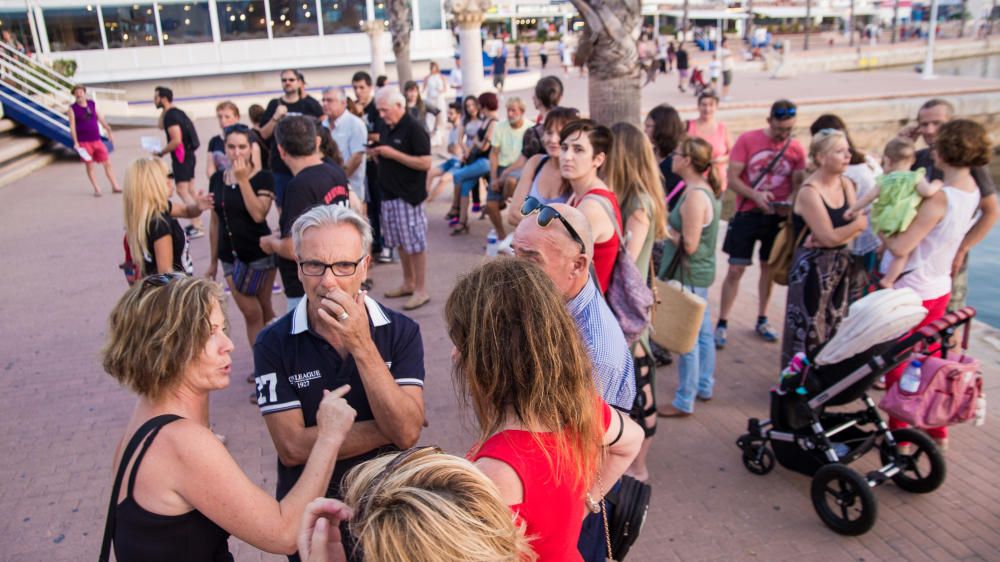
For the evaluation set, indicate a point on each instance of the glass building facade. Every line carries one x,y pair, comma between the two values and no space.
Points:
119,24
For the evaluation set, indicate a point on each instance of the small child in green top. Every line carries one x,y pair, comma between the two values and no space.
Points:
896,197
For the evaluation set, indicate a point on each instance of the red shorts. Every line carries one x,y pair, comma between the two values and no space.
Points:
96,149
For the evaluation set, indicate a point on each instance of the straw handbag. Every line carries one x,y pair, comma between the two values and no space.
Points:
678,313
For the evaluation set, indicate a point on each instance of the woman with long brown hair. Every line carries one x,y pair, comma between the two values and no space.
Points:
631,171
545,438
693,229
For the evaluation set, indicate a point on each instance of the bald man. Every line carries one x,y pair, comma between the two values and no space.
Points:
564,248
567,262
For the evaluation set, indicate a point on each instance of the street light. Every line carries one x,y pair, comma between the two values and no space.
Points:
928,73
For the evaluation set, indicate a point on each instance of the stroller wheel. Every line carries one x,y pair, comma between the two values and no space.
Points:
843,500
921,471
758,459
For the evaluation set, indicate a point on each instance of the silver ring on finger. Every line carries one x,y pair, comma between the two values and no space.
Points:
343,316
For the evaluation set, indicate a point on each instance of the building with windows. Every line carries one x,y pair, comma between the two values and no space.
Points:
115,41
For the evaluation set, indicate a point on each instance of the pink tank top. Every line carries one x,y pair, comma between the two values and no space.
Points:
719,139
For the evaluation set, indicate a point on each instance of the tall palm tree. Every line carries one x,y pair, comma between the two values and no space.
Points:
609,48
400,26
961,24
850,24
684,22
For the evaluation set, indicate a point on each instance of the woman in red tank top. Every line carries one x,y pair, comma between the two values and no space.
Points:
541,423
585,146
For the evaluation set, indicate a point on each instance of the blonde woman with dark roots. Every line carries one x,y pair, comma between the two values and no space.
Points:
419,505
155,239
185,494
632,173
546,439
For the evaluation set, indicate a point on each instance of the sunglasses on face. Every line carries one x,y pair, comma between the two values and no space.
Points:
545,216
784,113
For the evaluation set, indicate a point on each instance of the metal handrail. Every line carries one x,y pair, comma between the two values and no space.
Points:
18,70
60,82
48,99
10,99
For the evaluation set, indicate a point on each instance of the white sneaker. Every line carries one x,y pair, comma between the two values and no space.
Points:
504,246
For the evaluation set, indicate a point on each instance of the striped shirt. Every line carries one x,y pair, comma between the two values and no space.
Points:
605,343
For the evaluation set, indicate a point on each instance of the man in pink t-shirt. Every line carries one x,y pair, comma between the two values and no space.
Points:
765,167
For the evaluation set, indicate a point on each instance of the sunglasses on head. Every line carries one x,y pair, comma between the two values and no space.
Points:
783,112
368,497
160,280
545,216
236,128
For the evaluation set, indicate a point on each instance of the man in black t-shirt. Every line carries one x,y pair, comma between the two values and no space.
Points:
314,183
182,141
404,156
294,101
934,113
682,66
365,95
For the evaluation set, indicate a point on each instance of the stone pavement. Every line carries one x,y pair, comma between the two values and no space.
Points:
63,416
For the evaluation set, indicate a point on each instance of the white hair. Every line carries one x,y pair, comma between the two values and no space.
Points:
338,93
391,96
331,215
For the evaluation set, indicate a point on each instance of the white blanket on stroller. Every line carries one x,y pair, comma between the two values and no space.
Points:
877,318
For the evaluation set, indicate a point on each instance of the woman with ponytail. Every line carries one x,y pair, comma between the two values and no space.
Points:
693,226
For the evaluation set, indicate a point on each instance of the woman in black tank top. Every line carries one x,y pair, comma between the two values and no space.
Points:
185,494
819,278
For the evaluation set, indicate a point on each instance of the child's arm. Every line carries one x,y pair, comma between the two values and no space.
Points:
862,203
895,270
926,188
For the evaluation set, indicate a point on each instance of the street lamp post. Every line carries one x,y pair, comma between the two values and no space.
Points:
928,72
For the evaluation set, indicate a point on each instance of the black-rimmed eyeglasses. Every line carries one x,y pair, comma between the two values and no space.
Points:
236,128
315,268
545,216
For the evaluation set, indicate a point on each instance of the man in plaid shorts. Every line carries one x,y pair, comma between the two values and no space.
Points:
403,156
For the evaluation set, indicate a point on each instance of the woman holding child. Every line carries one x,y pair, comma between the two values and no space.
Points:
929,244
819,276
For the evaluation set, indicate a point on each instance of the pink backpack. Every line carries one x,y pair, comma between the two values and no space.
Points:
948,394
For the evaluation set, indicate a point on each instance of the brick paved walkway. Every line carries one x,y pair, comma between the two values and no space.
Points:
62,416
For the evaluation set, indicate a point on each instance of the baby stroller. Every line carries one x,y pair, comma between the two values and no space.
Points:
697,81
804,436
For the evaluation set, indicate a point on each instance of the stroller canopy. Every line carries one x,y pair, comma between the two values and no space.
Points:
877,318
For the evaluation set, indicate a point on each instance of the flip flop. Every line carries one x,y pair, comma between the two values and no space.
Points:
397,293
416,302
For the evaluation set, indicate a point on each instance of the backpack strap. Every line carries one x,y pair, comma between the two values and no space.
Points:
611,214
151,426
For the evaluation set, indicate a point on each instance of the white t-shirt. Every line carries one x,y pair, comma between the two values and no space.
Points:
713,69
435,87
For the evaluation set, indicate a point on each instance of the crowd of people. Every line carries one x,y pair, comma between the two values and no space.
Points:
339,376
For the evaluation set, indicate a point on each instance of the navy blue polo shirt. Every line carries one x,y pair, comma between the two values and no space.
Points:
294,365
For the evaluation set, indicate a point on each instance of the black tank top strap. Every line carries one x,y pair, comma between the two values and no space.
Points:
155,429
151,426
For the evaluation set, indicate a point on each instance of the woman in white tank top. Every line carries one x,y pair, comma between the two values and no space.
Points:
932,240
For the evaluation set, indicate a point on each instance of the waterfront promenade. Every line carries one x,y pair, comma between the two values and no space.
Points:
63,416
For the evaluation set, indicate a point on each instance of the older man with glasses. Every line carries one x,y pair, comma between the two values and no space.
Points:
338,335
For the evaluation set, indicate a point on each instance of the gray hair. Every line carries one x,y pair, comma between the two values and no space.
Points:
391,96
337,92
331,215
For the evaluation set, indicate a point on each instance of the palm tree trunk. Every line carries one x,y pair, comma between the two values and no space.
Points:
805,46
748,27
684,22
895,20
400,25
608,47
961,20
850,25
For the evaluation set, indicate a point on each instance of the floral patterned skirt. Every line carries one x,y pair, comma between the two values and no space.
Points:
819,286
